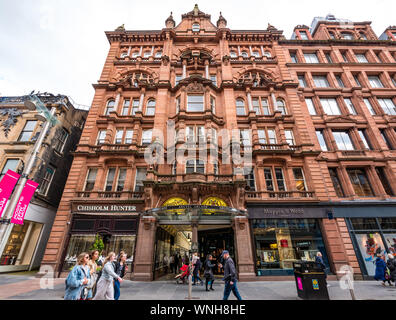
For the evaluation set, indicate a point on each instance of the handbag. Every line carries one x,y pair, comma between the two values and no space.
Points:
387,274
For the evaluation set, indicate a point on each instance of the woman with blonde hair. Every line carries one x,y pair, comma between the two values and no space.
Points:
105,286
78,278
92,271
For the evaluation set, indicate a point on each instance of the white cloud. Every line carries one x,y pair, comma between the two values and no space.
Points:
60,46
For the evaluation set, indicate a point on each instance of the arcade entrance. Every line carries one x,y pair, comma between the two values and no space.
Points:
173,247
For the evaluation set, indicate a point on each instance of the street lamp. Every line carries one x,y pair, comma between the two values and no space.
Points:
33,103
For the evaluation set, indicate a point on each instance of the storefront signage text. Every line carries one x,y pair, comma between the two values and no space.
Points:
106,208
283,211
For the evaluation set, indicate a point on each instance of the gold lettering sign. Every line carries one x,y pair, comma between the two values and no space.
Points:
213,201
175,202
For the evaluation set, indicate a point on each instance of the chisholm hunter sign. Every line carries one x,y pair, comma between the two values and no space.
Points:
103,208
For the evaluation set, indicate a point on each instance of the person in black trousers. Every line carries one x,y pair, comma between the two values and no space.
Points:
208,274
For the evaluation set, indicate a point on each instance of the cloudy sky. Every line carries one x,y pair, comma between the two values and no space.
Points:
59,46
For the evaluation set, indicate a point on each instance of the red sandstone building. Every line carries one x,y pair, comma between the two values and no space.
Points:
316,113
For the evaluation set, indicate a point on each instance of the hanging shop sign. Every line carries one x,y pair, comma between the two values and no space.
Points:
7,184
23,202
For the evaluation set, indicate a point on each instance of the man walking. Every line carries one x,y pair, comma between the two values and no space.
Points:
229,277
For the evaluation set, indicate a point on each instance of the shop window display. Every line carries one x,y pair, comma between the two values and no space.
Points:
280,242
83,243
14,244
373,236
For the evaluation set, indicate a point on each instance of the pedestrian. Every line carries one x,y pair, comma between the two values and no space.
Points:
105,286
77,279
197,267
172,263
320,263
121,268
229,277
208,273
166,263
381,270
92,271
177,262
391,264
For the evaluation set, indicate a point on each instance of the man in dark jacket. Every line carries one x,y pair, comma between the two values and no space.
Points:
229,277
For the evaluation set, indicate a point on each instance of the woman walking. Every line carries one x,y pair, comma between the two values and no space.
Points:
78,278
121,268
105,286
380,270
391,264
92,271
208,274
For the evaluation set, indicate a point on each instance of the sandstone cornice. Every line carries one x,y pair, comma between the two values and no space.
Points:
338,42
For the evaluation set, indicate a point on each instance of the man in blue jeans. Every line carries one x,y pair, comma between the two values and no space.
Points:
229,277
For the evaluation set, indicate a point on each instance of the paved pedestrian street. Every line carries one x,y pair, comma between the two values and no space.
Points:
25,287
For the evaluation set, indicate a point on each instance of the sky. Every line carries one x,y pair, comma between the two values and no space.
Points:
59,46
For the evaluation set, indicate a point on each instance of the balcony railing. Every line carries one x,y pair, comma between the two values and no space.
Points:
111,194
279,195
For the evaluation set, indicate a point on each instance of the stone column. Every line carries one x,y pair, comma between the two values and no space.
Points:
184,69
141,100
144,256
244,252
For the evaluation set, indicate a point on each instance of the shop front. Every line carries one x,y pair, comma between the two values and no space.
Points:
175,232
26,243
283,235
109,227
373,232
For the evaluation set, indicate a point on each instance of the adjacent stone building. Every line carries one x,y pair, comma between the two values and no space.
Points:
19,129
316,114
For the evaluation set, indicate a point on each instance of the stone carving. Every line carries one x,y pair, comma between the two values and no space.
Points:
12,114
195,87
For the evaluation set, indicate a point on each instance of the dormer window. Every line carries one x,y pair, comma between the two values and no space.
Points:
195,27
304,35
362,35
347,36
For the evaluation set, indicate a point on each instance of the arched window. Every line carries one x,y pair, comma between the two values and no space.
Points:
150,108
332,36
267,54
158,54
146,54
240,107
244,54
233,54
195,27
174,167
195,166
135,54
280,104
110,107
124,54
256,54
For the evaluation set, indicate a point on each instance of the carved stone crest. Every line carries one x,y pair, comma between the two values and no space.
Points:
12,114
195,87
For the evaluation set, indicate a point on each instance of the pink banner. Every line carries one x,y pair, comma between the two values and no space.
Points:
23,202
7,184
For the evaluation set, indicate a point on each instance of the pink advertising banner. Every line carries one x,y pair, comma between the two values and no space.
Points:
7,184
23,202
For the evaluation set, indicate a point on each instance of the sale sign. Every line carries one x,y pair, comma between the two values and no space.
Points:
7,184
23,202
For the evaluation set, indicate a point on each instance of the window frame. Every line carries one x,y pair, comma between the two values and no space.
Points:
195,103
24,131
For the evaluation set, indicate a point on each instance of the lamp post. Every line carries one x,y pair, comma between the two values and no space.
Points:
34,103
